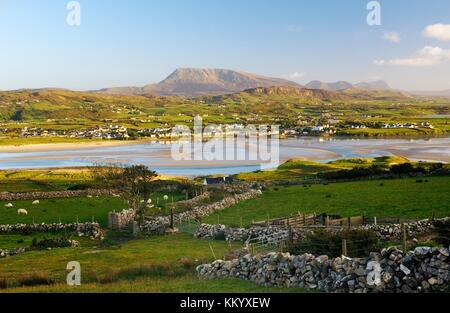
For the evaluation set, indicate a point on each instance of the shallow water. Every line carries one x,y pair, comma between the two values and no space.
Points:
158,155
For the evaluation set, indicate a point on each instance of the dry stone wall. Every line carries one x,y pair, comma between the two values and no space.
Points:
383,232
6,196
158,225
92,230
423,270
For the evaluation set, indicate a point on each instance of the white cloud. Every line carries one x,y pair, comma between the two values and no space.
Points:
296,75
438,31
392,37
427,56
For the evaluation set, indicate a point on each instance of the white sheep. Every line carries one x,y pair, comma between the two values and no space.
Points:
36,202
22,212
9,205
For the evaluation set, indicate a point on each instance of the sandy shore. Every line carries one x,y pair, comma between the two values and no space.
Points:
64,146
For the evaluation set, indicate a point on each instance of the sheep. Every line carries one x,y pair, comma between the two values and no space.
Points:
22,212
36,202
9,205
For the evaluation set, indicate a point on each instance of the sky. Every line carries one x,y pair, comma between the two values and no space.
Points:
137,42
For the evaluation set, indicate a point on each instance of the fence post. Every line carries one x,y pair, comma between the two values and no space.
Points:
327,220
404,246
212,251
344,247
375,221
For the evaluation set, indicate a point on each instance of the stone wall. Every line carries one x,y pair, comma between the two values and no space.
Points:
121,220
157,225
394,231
6,196
92,230
422,270
383,232
194,201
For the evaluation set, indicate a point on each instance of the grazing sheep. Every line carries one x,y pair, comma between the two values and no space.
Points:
22,212
9,205
36,202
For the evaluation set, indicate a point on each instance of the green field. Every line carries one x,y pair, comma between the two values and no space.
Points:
404,198
66,209
157,264
45,180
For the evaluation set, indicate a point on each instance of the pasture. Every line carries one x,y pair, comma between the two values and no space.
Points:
406,198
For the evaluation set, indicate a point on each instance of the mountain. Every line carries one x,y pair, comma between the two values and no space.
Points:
343,85
373,85
191,82
336,86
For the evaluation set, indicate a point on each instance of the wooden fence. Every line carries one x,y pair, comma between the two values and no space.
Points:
300,220
303,220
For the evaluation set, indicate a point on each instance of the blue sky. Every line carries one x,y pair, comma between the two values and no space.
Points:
136,42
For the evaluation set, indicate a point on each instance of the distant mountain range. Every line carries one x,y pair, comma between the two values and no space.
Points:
191,82
343,85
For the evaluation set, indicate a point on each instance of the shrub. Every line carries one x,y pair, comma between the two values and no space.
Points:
359,243
62,242
220,236
443,232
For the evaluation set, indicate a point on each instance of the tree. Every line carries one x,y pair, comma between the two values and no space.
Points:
133,182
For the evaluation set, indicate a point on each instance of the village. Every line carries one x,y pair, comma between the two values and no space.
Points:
320,127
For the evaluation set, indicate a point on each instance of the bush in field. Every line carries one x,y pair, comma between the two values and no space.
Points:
357,172
359,243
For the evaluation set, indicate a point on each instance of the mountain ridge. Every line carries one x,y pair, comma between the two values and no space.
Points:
192,82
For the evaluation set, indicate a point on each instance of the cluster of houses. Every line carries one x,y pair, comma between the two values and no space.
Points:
329,128
156,132
101,132
408,125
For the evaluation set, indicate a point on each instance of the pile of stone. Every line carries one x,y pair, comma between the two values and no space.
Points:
391,271
156,225
6,196
394,231
91,230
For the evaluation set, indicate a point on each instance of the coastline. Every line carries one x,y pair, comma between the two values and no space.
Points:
44,147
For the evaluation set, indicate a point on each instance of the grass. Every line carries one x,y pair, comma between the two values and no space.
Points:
13,241
405,198
44,180
291,170
157,264
65,209
183,284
